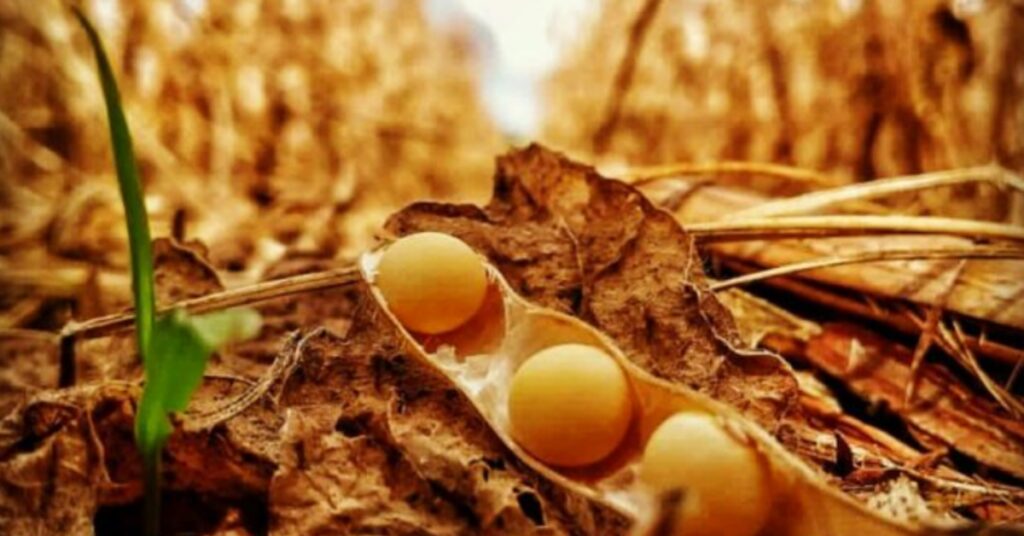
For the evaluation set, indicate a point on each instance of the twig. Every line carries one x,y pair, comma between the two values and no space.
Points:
259,292
815,201
954,342
640,175
229,378
924,343
279,371
1013,375
230,298
624,75
677,199
956,339
824,226
28,334
21,311
928,329
818,295
39,154
871,256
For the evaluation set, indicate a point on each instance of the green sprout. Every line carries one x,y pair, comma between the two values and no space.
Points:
131,192
174,347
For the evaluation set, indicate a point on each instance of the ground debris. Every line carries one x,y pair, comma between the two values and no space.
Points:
345,428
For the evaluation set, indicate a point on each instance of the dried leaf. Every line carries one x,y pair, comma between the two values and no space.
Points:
879,455
27,366
345,403
181,271
379,440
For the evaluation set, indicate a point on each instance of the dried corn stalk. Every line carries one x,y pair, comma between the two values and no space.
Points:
304,123
859,89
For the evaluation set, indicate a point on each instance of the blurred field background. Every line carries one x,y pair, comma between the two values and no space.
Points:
269,129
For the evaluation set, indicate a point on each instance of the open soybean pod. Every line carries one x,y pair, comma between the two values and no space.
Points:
484,354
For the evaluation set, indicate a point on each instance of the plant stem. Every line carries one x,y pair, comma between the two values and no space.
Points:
151,505
131,194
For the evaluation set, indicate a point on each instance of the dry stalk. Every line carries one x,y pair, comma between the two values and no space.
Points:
1006,399
924,343
845,225
1014,374
640,175
259,292
927,337
871,311
954,342
22,310
871,256
35,152
28,334
63,282
815,201
624,75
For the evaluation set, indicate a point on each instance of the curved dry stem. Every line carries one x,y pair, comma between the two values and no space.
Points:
871,256
815,201
639,175
825,226
279,371
37,153
927,337
955,339
28,335
230,298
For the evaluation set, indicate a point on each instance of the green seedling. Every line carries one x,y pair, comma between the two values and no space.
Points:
131,192
174,365
174,347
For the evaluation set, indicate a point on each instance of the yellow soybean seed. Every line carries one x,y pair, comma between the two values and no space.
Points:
725,485
432,282
570,405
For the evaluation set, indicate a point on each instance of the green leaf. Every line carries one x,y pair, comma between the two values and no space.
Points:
177,356
175,347
131,194
223,327
179,349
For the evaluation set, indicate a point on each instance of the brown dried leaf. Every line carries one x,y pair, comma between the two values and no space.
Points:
354,433
181,271
27,365
51,470
379,440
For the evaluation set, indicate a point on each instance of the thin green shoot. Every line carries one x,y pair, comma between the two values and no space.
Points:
180,347
173,347
131,193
